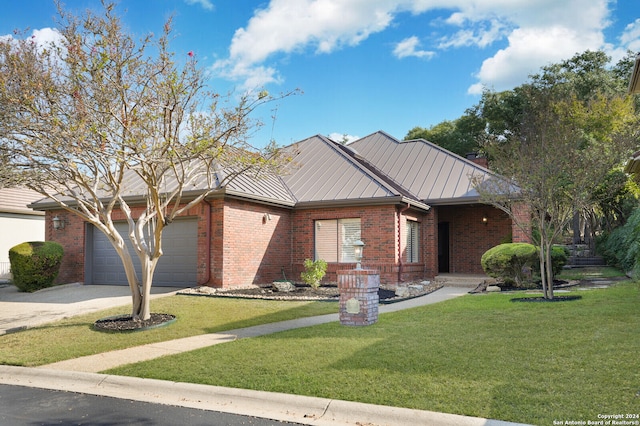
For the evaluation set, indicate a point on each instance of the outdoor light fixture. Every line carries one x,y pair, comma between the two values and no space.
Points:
358,247
485,219
58,223
266,217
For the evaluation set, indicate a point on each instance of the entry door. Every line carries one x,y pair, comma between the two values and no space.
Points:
443,247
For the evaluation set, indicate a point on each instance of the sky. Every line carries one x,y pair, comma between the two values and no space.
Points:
363,65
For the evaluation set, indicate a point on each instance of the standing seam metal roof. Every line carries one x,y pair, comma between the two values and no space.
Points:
427,171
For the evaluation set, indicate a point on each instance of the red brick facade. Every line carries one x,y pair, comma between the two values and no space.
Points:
240,242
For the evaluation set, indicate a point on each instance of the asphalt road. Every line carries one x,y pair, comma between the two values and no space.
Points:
24,406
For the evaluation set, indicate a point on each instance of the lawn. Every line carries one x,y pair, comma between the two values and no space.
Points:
478,355
74,337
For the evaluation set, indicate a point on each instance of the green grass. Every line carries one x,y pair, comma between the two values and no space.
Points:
478,355
74,337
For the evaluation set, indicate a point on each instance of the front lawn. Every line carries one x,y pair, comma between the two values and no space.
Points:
478,355
74,337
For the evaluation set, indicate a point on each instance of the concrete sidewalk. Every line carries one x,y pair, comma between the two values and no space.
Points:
81,374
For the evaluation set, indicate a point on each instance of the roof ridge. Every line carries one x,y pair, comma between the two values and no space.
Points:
367,166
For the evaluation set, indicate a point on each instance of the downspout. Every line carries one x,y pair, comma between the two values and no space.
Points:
208,244
400,261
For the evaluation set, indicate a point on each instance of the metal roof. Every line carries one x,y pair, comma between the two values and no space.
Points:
377,169
16,200
427,171
326,172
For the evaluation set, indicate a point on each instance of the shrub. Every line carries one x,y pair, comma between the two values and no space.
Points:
35,265
513,263
621,248
510,263
314,272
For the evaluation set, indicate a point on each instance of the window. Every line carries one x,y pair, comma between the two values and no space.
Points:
334,240
413,237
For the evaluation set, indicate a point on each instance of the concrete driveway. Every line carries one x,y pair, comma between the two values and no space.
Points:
20,310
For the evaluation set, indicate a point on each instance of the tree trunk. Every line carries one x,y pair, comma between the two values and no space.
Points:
549,272
148,269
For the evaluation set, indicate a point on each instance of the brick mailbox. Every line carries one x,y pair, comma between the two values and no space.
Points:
358,296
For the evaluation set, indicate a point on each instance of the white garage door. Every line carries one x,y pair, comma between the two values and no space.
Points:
176,268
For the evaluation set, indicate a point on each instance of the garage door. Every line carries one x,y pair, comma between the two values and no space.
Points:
176,268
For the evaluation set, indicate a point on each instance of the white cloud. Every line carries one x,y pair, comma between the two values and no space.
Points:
630,38
343,137
410,47
528,50
536,32
206,4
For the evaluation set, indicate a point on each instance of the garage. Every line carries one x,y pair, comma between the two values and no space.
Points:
176,268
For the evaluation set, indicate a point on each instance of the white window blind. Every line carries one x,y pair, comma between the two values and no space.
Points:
413,236
334,239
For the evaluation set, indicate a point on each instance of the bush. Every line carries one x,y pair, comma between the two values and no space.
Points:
513,263
314,272
35,265
621,248
559,258
510,263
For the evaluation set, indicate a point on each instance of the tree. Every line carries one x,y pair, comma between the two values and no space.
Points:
554,159
459,136
98,113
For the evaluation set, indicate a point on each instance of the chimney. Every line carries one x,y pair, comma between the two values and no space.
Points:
481,161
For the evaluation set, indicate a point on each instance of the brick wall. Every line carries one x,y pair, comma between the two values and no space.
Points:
470,236
379,231
72,238
256,244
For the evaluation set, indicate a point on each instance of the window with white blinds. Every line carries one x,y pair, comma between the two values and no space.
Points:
334,239
413,237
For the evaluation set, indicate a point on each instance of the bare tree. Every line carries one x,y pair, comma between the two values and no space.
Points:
92,116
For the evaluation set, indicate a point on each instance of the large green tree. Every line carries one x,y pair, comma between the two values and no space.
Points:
557,149
100,112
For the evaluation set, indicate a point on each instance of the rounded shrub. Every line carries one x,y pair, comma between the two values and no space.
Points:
35,265
510,263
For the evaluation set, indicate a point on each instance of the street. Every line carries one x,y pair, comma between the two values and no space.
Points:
25,406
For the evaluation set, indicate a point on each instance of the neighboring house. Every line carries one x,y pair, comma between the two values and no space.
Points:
18,223
411,202
633,165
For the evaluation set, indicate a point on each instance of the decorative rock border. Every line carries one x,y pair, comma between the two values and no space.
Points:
125,324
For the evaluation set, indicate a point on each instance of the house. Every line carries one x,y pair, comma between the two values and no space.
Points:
633,165
412,203
18,223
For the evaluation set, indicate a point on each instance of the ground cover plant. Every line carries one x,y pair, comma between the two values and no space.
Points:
74,337
478,355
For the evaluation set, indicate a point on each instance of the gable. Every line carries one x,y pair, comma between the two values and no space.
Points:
426,170
325,172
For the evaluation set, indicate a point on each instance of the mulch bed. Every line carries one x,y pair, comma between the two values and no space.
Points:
542,299
124,323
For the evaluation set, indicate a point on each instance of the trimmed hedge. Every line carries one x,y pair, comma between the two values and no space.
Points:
35,264
515,263
510,263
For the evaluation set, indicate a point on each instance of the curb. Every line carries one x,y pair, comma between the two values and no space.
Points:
271,405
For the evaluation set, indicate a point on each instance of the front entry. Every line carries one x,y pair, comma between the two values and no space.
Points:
443,247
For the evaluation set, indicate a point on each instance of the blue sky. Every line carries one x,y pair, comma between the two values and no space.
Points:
365,65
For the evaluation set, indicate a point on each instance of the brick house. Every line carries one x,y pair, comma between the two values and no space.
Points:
411,202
